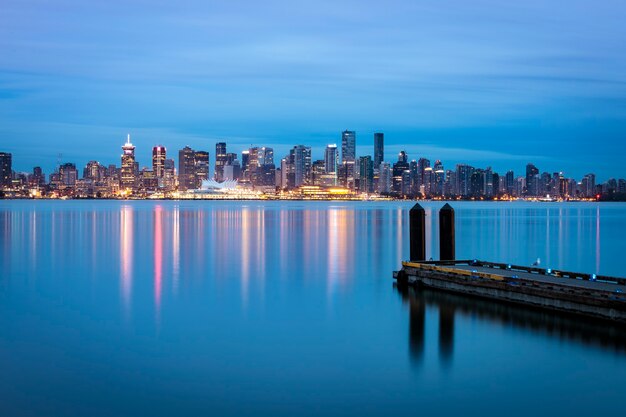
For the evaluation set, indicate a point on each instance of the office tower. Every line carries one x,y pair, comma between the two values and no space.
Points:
158,161
588,185
221,157
6,170
232,170
384,177
285,170
265,156
39,178
245,158
366,174
422,164
379,149
169,175
128,175
186,169
439,180
427,188
405,183
94,171
398,169
348,156
331,159
201,167
68,175
301,157
532,182
463,180
509,184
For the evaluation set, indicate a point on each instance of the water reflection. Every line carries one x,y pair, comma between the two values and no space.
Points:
126,254
563,327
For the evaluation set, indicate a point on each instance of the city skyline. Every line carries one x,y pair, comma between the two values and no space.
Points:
483,82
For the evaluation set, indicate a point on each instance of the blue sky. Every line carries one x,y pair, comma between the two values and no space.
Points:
484,82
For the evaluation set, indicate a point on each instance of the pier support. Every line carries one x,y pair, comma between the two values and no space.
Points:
417,220
446,233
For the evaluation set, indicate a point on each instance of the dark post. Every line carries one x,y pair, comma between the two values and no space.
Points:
417,220
446,233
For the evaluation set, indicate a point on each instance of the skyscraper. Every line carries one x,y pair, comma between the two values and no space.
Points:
301,157
128,176
348,155
220,161
158,161
201,167
265,156
384,177
186,169
379,149
366,174
331,159
532,182
6,170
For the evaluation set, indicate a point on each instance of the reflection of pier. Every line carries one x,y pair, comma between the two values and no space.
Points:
586,331
585,294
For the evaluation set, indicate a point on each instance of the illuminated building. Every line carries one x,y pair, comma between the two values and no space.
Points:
186,169
128,180
366,174
348,155
201,167
220,160
379,149
6,170
158,162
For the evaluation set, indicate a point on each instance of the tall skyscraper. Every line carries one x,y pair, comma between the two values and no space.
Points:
158,161
379,149
6,169
348,155
201,167
331,159
301,156
532,181
128,176
220,161
186,169
384,177
68,174
366,174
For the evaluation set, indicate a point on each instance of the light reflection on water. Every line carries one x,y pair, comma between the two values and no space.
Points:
276,308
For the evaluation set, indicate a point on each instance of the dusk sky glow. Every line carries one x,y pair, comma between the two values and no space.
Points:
481,82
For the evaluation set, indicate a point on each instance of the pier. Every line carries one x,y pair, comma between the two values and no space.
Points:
578,293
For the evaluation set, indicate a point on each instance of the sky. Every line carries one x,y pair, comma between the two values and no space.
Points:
489,83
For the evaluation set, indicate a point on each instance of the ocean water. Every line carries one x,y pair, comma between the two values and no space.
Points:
289,308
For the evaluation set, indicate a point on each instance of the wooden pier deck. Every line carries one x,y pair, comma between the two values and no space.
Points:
587,294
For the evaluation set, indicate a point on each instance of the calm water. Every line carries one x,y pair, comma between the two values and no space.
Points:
220,308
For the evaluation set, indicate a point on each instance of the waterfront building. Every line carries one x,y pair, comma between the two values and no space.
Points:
221,158
68,175
384,177
300,157
532,181
6,170
379,149
398,170
128,180
186,169
201,167
158,161
366,174
348,156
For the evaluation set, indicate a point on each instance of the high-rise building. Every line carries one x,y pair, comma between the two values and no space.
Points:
158,161
384,177
128,176
265,156
366,174
186,169
532,180
348,155
301,157
169,175
463,180
201,167
6,170
245,159
398,170
379,149
220,161
68,175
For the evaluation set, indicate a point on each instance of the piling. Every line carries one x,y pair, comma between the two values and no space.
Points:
417,220
446,233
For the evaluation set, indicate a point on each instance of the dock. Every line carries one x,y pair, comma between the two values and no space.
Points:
577,293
